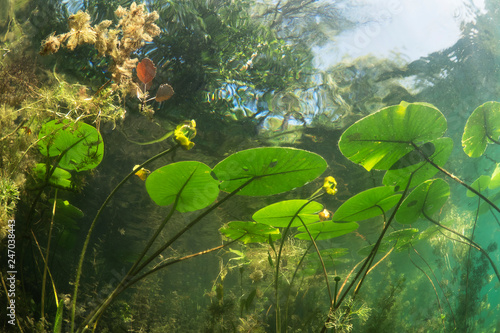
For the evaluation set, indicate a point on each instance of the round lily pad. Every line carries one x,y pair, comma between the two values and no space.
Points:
250,232
482,126
271,170
367,204
429,196
379,140
80,143
281,213
190,182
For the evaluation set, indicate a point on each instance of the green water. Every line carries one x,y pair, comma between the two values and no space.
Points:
243,232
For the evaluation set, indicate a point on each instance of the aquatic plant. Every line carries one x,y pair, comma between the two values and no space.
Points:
136,26
409,191
400,140
146,72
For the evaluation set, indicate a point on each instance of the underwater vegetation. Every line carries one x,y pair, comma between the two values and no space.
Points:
285,241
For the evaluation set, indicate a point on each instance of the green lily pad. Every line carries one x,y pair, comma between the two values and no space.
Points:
326,230
482,126
495,178
367,204
421,170
328,254
399,239
191,182
384,247
252,232
480,185
431,231
485,207
403,238
281,213
331,258
67,209
379,140
59,177
273,170
81,143
429,196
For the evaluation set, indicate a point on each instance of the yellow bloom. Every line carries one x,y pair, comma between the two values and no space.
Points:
141,173
330,185
184,133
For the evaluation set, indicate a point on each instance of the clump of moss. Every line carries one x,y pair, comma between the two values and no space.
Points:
136,26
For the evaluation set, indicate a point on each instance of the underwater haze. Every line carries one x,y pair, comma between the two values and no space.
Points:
249,166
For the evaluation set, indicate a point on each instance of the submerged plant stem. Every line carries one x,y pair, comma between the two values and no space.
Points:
471,243
366,265
126,282
89,233
455,178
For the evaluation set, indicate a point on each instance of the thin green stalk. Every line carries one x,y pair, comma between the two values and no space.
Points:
120,287
157,268
433,286
278,259
97,312
89,233
455,178
325,274
192,223
46,260
293,278
471,243
440,287
366,265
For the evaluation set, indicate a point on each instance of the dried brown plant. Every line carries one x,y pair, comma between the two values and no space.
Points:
136,26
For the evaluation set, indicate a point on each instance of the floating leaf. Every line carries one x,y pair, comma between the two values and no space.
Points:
399,239
379,140
328,254
495,178
59,177
480,185
403,238
146,70
272,170
428,197
81,144
331,258
165,91
67,209
422,170
280,214
367,204
482,127
382,249
326,230
414,156
253,232
485,207
190,181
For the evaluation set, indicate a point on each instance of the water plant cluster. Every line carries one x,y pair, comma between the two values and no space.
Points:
285,263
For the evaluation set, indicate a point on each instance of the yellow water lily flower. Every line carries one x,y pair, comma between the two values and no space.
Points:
141,173
330,185
184,132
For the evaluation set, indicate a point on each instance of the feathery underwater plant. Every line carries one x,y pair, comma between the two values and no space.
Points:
136,26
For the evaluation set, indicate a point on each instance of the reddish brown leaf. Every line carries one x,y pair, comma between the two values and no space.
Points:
165,91
146,70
